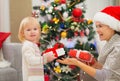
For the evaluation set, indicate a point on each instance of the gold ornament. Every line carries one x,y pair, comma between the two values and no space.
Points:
90,21
42,7
56,1
56,20
57,69
64,34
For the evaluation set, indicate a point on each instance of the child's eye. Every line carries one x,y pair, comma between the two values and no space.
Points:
35,28
28,29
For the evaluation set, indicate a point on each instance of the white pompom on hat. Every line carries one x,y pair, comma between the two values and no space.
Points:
109,16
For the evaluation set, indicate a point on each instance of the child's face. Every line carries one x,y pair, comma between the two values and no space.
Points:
32,32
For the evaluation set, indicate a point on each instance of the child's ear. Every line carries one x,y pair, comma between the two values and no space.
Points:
22,33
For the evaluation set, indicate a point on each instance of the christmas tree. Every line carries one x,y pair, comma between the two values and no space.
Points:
65,25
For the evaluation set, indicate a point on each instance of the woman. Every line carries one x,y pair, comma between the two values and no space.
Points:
107,68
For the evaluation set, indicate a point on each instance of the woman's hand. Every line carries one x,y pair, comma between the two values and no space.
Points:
73,61
97,65
68,61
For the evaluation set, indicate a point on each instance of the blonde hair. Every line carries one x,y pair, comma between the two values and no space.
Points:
23,24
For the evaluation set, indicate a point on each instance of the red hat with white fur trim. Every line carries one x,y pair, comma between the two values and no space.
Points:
109,16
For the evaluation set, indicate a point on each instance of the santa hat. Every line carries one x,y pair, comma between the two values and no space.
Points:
109,16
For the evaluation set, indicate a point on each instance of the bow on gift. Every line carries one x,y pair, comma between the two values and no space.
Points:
57,50
83,56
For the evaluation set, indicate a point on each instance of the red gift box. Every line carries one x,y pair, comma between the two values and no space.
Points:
83,56
57,50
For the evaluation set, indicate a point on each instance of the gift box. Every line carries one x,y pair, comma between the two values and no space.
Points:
57,50
83,56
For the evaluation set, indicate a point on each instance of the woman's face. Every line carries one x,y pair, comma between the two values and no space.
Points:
104,31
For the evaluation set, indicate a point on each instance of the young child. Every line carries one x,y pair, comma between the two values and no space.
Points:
32,61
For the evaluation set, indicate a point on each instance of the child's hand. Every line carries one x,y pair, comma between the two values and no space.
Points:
49,57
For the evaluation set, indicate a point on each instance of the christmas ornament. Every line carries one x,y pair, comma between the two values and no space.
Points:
63,6
76,19
64,34
65,15
57,69
92,47
77,12
62,1
47,78
57,38
45,29
83,56
77,29
42,7
66,69
56,20
50,10
82,34
62,26
58,45
35,14
90,21
56,1
76,33
87,31
72,27
57,64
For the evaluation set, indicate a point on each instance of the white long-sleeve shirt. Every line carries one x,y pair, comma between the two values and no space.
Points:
32,62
